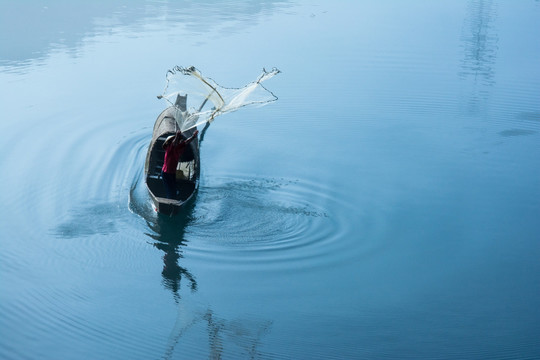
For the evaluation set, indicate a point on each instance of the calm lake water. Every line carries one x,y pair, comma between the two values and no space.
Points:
387,206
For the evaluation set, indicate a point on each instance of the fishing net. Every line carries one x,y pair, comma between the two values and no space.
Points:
206,99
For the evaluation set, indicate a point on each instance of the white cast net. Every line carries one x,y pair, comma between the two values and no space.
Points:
206,99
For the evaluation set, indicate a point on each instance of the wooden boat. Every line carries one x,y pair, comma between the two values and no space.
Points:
187,173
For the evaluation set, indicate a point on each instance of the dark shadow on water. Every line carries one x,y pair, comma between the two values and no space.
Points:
516,132
90,219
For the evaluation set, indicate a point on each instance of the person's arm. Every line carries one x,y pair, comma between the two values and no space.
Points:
192,137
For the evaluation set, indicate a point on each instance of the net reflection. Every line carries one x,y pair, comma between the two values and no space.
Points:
246,333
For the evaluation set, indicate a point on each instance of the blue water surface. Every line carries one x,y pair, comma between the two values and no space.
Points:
387,206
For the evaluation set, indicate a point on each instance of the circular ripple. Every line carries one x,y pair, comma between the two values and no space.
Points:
272,221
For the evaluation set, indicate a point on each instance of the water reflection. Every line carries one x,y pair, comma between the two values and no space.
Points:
168,232
68,24
237,338
479,42
245,333
480,45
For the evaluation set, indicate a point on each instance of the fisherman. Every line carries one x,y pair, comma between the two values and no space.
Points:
174,147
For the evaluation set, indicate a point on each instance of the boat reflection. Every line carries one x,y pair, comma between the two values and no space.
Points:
168,233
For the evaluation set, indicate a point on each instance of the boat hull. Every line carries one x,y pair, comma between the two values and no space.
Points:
187,175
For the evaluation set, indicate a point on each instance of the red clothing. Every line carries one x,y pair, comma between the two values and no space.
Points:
172,154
